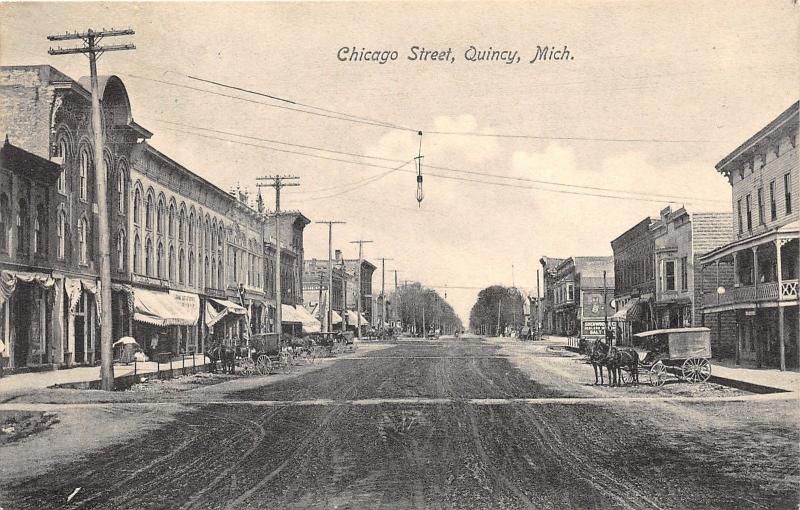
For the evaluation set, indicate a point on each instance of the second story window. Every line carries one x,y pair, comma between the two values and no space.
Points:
739,209
83,250
684,273
760,206
749,213
22,228
83,187
570,293
773,206
669,274
787,192
62,234
5,222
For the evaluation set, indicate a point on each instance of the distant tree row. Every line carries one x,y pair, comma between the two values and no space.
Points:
496,308
423,309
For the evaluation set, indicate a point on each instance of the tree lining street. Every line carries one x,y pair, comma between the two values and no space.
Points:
449,454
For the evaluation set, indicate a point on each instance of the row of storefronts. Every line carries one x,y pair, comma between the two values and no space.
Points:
735,273
192,265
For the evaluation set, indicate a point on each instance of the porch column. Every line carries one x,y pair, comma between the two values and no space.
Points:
716,265
778,245
755,267
736,269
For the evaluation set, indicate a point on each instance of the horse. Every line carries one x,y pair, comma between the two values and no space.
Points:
224,353
598,357
617,359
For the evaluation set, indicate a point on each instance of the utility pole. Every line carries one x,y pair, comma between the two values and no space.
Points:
360,244
383,288
397,297
344,297
538,308
605,312
90,48
278,182
330,271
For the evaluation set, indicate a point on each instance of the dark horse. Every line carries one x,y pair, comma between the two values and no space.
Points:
617,359
598,356
226,354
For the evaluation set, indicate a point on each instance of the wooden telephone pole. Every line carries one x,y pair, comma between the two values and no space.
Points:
383,289
278,182
360,244
90,48
329,313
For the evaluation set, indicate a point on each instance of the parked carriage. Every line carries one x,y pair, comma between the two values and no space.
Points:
266,355
684,349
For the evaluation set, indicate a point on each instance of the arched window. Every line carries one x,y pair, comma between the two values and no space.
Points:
137,255
40,231
220,239
137,206
171,221
63,153
160,217
148,212
83,235
191,227
181,267
5,222
122,174
148,257
121,250
62,234
191,268
171,271
220,275
85,164
206,279
181,224
22,227
160,260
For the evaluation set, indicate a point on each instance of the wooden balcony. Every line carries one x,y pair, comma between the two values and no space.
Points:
751,294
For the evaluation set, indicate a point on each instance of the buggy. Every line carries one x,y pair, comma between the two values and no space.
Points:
684,349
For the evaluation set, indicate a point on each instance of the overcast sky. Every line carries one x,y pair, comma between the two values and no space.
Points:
697,80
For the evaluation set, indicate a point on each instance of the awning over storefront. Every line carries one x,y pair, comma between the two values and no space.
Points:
352,318
335,317
632,311
310,324
8,282
171,308
218,309
290,315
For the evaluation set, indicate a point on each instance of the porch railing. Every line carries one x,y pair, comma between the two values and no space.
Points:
770,291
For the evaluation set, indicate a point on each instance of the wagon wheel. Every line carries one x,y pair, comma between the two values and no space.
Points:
264,365
696,370
627,376
248,367
657,374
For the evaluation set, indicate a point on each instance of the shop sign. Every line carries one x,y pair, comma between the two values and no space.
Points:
149,281
594,328
750,313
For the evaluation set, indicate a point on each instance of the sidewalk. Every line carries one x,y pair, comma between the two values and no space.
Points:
18,383
725,372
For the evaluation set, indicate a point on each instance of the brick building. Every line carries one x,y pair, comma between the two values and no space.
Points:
634,281
680,238
547,304
47,113
578,296
756,315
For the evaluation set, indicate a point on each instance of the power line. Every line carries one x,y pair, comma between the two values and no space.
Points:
387,124
568,138
448,169
642,197
280,107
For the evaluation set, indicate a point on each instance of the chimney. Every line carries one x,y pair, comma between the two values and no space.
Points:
338,255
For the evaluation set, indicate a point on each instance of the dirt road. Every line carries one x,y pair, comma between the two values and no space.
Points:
321,452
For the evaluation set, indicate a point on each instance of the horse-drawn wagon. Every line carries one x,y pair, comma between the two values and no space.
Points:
266,355
684,349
